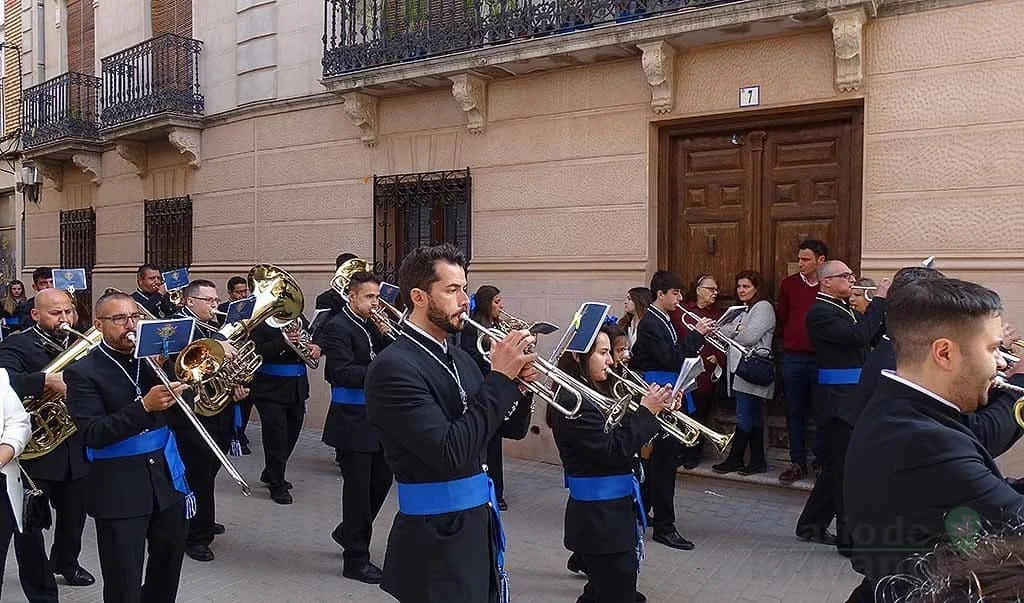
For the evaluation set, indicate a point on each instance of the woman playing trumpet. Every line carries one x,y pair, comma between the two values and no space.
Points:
604,517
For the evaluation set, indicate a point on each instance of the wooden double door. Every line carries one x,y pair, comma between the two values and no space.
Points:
741,194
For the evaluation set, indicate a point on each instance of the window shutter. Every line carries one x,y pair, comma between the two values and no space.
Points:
171,16
74,28
12,77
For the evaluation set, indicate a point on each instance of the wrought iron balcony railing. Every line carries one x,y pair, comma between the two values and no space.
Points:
360,34
158,76
65,107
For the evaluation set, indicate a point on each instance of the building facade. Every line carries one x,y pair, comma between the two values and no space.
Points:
571,147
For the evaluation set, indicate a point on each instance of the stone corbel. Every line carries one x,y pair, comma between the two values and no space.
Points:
362,110
848,40
187,140
470,91
90,163
52,171
659,63
134,153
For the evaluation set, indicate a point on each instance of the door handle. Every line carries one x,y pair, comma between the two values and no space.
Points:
711,243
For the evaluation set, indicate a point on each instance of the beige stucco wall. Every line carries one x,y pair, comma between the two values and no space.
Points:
564,193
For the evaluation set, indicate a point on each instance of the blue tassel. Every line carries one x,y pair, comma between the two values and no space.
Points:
236,448
190,505
506,594
472,303
611,320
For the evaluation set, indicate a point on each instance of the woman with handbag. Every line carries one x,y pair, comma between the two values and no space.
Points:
751,378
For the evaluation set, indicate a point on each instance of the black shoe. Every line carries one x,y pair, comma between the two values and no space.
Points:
640,597
218,529
673,540
827,538
575,564
199,552
687,464
751,469
336,536
281,496
77,576
246,451
502,505
368,573
728,466
266,482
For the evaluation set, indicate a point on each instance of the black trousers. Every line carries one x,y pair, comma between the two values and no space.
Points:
826,499
122,546
610,578
660,486
495,468
201,468
367,479
246,405
281,422
34,570
68,501
702,404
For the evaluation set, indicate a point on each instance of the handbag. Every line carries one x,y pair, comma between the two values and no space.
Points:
36,508
757,368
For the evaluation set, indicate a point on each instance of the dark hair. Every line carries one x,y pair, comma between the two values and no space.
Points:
663,280
614,331
419,270
236,281
485,295
576,367
341,259
755,279
641,297
819,248
110,296
912,274
192,288
923,311
143,269
361,277
41,273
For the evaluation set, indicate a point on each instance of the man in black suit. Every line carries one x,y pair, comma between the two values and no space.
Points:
921,468
136,486
150,293
351,340
42,279
434,414
61,472
841,341
658,355
331,300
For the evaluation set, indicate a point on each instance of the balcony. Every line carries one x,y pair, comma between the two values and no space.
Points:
151,88
60,117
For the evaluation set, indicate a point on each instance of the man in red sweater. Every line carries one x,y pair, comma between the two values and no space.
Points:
797,293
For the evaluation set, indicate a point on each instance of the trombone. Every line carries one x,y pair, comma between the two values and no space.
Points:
675,423
719,341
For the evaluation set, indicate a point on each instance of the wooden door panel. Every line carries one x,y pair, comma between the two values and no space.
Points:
788,234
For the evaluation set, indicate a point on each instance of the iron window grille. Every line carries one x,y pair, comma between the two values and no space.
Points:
78,249
169,232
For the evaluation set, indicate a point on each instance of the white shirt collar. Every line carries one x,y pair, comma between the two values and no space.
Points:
892,375
443,343
807,282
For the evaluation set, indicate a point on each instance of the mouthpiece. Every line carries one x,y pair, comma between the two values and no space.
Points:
130,336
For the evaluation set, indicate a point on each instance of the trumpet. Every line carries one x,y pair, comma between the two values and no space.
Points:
865,289
1010,357
720,342
1018,406
385,324
511,323
612,409
675,423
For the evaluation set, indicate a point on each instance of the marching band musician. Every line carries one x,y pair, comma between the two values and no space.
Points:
351,340
149,292
238,288
15,432
136,487
435,414
331,300
61,472
841,342
604,515
279,391
658,355
201,466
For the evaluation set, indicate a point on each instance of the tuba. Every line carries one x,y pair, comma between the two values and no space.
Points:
51,420
382,314
218,368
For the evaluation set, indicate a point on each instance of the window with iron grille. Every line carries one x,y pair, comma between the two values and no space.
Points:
412,210
78,249
169,232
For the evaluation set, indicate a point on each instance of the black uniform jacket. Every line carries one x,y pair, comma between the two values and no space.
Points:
600,527
841,340
104,405
331,301
912,461
24,356
271,346
882,357
413,404
346,341
657,348
156,304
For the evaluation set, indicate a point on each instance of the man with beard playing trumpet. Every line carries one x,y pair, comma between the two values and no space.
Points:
434,414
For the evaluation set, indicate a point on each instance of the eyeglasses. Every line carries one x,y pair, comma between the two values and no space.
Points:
210,300
711,289
846,275
121,319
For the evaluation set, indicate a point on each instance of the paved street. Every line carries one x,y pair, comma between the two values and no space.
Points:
745,548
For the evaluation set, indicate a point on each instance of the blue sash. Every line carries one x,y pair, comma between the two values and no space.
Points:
850,376
669,378
609,487
435,498
282,370
144,443
348,395
235,449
